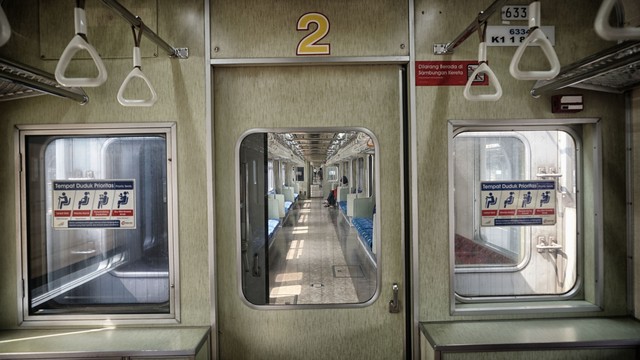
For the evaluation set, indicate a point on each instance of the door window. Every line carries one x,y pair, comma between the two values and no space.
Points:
307,251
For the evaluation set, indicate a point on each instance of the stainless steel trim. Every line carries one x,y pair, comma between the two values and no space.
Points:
630,170
413,346
335,60
211,180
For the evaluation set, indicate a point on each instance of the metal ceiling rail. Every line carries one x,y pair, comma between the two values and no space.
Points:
181,53
483,16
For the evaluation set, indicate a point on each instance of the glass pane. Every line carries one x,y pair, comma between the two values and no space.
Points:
515,213
297,249
97,224
496,158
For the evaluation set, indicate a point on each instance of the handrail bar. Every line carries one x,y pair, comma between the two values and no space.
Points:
136,21
481,19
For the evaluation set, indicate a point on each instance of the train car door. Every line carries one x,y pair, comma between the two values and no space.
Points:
252,99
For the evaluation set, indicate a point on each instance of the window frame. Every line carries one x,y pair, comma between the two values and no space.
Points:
165,129
580,299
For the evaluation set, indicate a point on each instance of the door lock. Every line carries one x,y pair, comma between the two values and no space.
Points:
394,304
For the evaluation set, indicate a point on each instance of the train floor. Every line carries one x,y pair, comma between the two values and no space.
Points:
317,258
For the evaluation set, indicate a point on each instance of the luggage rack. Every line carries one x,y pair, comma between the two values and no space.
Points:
615,70
21,81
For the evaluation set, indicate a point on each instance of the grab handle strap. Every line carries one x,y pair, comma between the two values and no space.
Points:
483,68
5,28
606,31
535,37
77,43
136,73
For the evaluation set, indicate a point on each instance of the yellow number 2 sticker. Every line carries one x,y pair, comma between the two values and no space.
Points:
309,44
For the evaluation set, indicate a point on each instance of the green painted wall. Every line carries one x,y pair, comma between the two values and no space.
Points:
440,22
180,87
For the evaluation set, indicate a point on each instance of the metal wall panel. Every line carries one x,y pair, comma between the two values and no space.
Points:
263,29
180,86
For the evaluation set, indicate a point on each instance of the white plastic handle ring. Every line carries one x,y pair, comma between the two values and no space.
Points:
483,68
606,31
76,44
540,39
5,28
136,72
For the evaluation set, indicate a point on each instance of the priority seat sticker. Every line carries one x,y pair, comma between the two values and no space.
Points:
518,203
94,204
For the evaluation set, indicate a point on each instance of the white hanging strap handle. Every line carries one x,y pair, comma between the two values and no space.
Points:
77,43
483,68
5,28
606,31
535,37
136,73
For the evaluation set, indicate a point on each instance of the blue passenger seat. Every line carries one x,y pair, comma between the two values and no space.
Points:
364,227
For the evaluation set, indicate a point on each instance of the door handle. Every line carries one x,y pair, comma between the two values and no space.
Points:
394,304
256,271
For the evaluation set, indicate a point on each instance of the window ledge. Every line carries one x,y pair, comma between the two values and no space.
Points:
519,308
532,334
103,342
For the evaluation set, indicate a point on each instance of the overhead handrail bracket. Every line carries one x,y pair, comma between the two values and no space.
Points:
136,73
5,28
481,19
180,53
536,37
77,43
606,31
